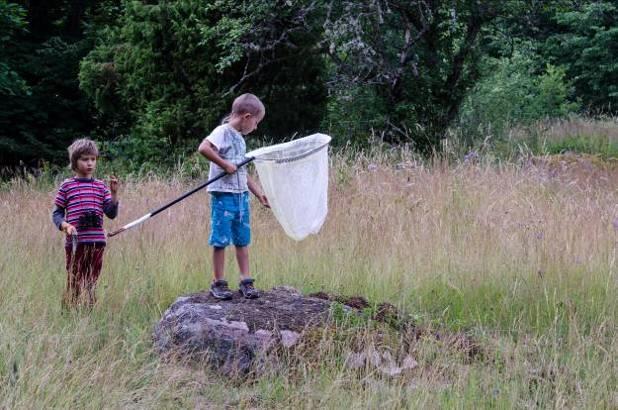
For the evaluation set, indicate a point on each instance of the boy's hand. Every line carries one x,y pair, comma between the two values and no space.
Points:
263,200
68,229
113,185
229,167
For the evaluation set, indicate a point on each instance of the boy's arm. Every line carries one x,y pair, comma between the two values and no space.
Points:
257,191
208,150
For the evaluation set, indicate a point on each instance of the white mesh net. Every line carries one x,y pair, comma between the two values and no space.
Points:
294,176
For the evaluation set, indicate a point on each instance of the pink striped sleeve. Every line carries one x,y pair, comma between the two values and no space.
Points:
61,197
107,194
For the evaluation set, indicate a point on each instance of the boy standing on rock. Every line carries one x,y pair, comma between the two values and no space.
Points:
230,217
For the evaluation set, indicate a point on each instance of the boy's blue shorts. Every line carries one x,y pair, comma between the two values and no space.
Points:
229,219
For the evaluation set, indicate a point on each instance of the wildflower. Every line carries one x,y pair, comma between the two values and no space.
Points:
471,156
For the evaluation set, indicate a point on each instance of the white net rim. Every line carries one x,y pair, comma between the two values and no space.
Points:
299,148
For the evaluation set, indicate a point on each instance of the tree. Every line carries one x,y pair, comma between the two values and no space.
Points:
579,36
170,70
419,58
586,44
42,110
11,21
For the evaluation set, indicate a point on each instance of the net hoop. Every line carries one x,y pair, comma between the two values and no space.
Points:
291,151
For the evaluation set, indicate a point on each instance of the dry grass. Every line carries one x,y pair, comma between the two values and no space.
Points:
600,128
596,137
522,258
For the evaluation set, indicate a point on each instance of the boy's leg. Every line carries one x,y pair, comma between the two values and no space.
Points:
220,233
219,288
241,237
242,257
218,262
241,234
246,283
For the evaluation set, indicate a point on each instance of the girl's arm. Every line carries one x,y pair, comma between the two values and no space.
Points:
58,218
111,208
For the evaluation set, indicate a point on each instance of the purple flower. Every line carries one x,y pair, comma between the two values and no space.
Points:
615,223
471,156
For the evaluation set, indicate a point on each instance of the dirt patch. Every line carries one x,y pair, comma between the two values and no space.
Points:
356,302
409,331
320,295
385,312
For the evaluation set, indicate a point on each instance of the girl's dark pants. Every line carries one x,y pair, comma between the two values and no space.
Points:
83,270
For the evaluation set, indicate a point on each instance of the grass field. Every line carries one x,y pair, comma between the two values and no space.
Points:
521,258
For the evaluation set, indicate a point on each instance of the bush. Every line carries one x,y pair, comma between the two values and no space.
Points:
514,94
352,115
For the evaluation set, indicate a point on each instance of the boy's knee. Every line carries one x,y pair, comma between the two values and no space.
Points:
242,239
219,241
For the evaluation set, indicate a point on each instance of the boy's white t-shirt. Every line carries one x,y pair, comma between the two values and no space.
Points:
230,146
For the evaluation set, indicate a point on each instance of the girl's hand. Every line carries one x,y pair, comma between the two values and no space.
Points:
68,229
113,185
263,200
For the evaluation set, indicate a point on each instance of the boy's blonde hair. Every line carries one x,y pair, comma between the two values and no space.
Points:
248,103
82,146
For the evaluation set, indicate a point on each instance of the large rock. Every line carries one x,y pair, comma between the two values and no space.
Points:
236,334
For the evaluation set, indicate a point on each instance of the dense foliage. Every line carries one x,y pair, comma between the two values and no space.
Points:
150,78
168,72
41,106
586,45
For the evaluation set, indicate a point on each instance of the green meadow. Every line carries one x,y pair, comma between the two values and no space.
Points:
518,257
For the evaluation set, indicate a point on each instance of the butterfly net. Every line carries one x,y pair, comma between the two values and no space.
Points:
294,176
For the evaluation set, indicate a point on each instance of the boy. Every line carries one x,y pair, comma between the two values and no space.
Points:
80,204
230,222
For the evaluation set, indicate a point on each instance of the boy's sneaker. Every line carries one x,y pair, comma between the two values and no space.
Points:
246,288
220,290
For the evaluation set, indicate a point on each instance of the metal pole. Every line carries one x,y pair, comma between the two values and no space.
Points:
175,201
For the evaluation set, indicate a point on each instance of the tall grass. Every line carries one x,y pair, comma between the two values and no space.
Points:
522,258
597,137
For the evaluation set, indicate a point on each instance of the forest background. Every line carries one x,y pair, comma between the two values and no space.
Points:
149,79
